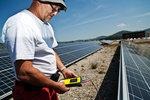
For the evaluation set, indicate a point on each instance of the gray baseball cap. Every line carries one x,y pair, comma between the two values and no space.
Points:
63,5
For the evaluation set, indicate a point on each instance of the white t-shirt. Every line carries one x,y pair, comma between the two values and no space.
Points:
27,37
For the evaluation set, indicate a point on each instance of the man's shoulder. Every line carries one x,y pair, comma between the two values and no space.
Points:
20,17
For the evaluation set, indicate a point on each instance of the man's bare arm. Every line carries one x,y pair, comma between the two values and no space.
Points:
27,73
59,63
66,72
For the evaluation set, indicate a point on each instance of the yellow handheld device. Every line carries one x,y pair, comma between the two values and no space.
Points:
70,82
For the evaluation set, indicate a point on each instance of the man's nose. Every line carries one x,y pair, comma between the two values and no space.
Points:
55,13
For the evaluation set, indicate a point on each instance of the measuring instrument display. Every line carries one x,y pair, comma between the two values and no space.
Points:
72,81
76,82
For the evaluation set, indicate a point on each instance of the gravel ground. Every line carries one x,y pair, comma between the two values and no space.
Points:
93,69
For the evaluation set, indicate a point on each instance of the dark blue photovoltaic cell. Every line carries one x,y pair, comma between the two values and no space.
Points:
5,62
69,52
6,81
74,52
138,74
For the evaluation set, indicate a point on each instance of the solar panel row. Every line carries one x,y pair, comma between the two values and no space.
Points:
137,68
69,53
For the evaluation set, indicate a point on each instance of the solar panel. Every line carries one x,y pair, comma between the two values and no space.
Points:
137,69
73,52
6,77
69,53
6,83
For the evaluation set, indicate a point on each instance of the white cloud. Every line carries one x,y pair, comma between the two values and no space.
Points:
143,15
93,20
121,25
99,7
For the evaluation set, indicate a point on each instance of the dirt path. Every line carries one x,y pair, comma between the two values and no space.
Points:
92,68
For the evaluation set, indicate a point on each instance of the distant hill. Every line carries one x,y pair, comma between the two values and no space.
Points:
100,37
117,35
147,30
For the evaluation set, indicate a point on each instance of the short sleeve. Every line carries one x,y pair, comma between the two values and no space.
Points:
20,41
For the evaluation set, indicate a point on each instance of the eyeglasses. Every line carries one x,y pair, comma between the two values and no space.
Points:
55,8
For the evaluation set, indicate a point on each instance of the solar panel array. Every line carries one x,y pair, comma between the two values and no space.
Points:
136,74
69,53
6,76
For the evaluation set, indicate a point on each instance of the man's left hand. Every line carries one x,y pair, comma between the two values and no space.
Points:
68,73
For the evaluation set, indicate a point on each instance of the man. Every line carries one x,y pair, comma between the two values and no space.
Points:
30,40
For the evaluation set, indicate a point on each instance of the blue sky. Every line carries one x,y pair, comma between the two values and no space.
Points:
86,19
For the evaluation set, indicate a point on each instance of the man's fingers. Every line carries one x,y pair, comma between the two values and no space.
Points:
62,88
73,75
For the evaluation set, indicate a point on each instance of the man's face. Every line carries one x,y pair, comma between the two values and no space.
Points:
48,11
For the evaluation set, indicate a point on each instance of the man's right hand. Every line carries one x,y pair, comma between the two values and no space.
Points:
27,73
61,88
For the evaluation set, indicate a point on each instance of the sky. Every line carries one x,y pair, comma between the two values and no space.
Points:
86,19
